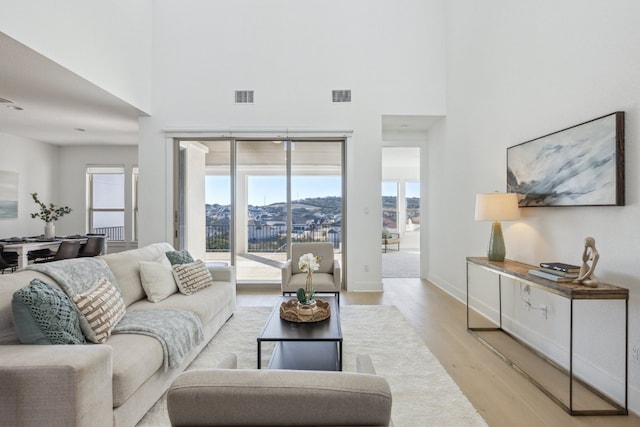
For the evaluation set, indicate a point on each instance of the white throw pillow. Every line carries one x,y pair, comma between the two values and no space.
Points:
157,279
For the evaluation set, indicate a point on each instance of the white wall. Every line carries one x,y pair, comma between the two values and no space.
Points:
517,71
36,165
106,42
391,55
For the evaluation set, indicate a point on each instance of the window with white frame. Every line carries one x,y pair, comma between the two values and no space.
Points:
390,205
106,201
412,203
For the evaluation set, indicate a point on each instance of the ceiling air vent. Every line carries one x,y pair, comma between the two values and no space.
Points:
244,97
5,101
341,96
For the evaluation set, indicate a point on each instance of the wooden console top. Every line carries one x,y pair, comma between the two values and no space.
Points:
520,271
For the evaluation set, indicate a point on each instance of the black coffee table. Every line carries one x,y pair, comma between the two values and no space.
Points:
313,346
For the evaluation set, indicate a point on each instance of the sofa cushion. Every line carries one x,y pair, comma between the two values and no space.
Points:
192,277
125,267
323,250
102,307
206,304
44,314
157,279
179,257
249,397
136,358
321,282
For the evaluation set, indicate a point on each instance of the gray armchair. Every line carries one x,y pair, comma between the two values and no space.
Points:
389,238
325,280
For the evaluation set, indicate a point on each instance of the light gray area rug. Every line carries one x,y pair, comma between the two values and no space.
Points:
405,263
423,393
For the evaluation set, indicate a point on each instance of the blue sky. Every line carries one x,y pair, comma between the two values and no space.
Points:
265,190
413,189
390,188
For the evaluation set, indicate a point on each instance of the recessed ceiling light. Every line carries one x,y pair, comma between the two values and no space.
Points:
80,129
15,107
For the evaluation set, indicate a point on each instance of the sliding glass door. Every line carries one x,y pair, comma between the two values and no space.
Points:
317,193
261,201
218,201
262,196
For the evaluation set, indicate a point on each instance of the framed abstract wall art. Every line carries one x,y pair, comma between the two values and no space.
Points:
8,195
579,166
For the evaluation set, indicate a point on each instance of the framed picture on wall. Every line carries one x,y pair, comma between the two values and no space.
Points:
579,166
8,195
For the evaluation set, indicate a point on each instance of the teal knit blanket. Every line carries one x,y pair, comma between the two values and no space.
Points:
178,331
76,275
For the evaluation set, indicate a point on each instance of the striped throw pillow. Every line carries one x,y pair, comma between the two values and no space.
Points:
192,277
101,308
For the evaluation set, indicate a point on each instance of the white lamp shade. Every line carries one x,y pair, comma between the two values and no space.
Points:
497,207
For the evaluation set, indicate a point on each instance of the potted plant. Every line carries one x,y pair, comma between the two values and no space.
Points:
49,214
308,263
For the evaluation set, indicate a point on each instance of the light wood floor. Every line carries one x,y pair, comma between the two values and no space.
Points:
499,393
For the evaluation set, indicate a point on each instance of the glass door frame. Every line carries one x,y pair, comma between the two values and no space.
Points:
233,141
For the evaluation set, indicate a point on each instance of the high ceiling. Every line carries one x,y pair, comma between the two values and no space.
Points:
56,103
62,108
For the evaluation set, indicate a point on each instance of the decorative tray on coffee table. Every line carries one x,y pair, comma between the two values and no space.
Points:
294,311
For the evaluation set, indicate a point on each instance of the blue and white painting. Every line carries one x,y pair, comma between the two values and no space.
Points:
8,194
578,166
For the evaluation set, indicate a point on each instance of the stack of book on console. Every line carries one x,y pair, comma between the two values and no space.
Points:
557,271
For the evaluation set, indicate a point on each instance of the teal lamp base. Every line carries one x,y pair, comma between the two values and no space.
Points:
496,250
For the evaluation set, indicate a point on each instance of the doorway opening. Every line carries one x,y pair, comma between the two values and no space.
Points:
401,218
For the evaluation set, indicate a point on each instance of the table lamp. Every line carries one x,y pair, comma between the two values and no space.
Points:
497,207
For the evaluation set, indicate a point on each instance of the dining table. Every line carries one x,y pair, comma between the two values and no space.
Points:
22,246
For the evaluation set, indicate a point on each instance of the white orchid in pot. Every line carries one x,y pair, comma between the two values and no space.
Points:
308,263
49,214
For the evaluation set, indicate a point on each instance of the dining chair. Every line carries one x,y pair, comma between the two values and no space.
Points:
8,260
67,249
93,247
37,255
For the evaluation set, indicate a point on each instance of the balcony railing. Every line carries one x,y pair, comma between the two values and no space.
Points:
217,238
112,233
270,238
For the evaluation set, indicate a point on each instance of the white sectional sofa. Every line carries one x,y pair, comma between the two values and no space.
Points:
110,384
